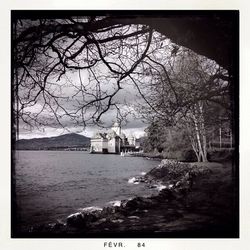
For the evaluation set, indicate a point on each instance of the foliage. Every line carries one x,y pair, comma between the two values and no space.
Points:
191,94
171,142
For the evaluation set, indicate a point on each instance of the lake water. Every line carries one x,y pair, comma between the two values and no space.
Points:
50,185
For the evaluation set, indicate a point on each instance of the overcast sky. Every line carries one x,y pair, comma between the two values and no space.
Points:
69,84
128,96
137,131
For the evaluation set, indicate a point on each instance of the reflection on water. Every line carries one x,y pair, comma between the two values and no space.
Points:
50,185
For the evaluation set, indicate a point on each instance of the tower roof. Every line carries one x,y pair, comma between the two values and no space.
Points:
112,134
99,135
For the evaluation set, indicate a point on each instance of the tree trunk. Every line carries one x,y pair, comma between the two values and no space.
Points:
203,132
194,146
220,136
198,138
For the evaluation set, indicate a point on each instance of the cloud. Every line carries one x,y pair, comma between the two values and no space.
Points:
125,99
131,126
135,128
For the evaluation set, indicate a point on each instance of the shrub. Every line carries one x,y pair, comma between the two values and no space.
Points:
220,155
186,155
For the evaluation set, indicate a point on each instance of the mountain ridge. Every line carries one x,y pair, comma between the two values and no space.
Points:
65,141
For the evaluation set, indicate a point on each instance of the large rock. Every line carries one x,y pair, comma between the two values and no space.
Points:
168,170
81,219
76,220
139,203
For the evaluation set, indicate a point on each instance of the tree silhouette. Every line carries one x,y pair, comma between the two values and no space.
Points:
71,70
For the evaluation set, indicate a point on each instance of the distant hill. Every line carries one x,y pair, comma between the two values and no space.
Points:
52,143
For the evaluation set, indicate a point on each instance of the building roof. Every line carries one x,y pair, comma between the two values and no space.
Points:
112,134
99,135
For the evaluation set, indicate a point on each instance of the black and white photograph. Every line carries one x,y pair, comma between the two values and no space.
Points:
125,124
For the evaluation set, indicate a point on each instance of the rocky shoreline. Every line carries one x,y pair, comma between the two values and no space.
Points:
193,201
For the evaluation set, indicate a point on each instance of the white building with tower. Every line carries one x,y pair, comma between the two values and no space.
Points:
114,141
